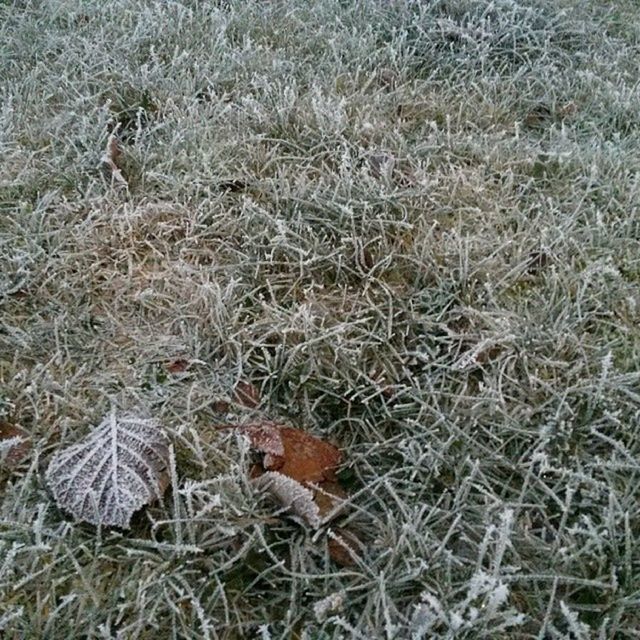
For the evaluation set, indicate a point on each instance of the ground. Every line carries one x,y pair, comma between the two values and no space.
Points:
412,226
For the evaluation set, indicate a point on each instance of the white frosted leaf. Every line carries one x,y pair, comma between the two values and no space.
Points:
117,469
291,495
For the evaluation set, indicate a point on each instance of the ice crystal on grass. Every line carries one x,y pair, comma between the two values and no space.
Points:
329,604
484,607
578,630
8,616
117,469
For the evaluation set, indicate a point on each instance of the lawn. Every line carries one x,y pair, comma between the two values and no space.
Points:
411,228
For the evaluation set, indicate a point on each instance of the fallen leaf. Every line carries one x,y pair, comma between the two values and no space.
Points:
328,496
109,161
221,406
292,496
294,453
300,470
246,395
265,437
117,469
178,366
15,444
307,458
343,546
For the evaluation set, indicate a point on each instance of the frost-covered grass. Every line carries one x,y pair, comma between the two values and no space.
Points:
413,225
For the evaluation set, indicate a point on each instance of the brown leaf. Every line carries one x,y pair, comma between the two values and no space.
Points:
178,366
343,546
246,395
265,437
300,470
294,453
18,443
221,406
328,496
307,458
109,163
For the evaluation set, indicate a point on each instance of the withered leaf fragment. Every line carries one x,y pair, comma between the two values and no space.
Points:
291,495
15,445
343,546
178,366
110,160
246,395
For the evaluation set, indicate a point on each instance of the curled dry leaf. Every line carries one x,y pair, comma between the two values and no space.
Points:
265,437
15,444
109,162
117,469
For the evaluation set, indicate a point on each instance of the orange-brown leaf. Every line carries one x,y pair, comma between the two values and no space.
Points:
304,467
294,453
307,458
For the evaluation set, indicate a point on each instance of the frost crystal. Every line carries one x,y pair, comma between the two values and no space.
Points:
330,604
485,605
